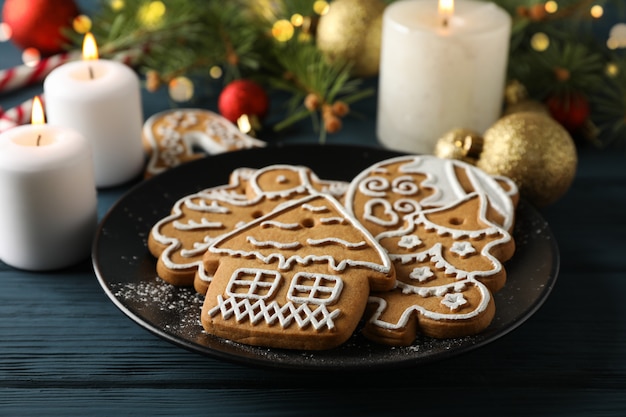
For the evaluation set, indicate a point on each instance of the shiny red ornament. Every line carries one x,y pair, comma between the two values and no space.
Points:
39,23
570,110
243,97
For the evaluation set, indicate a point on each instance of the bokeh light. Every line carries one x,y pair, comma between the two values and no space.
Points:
181,89
282,30
321,7
551,6
82,24
31,57
617,36
117,5
612,69
297,20
5,32
216,72
151,14
596,11
540,42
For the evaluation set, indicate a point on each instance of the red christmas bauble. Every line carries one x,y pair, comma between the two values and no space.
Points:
571,110
38,23
243,97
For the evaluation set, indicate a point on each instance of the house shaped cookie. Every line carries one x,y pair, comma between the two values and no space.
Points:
297,278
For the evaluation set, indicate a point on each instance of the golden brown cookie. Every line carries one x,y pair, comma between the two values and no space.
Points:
297,278
180,239
445,226
173,137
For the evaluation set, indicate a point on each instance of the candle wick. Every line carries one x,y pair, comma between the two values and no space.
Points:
90,72
444,22
38,139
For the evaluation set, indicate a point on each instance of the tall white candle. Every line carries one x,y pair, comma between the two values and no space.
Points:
101,99
48,203
440,70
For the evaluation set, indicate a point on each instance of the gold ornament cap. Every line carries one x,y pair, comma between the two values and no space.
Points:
460,144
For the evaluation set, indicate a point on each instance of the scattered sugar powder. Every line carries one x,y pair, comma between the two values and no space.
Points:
179,307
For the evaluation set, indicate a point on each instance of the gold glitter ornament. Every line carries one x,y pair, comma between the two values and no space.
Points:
351,30
535,151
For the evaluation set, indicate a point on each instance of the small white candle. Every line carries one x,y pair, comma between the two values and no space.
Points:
48,203
441,68
101,99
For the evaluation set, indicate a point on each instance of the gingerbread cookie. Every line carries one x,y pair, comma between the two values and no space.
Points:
173,137
297,278
180,239
445,226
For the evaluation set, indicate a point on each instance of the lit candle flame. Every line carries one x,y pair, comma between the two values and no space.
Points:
90,48
37,115
446,10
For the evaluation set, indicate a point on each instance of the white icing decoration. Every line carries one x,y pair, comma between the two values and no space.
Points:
201,205
273,244
243,309
193,225
454,301
404,185
407,206
336,240
280,225
325,289
462,248
374,186
441,178
332,220
301,187
388,211
315,209
198,248
256,286
285,262
281,179
421,274
404,318
335,188
409,241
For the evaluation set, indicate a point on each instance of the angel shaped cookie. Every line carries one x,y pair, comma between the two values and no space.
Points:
445,225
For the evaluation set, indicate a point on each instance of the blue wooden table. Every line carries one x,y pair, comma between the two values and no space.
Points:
66,349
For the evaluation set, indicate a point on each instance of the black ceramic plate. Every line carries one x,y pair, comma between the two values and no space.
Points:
126,270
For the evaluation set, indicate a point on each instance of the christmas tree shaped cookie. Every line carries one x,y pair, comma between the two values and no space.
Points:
298,278
179,240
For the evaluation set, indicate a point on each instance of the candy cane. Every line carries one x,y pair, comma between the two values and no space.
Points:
24,75
17,115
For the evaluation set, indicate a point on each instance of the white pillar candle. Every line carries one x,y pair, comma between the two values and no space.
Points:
439,72
48,203
101,99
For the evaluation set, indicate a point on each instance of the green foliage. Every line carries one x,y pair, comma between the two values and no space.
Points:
192,36
575,62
